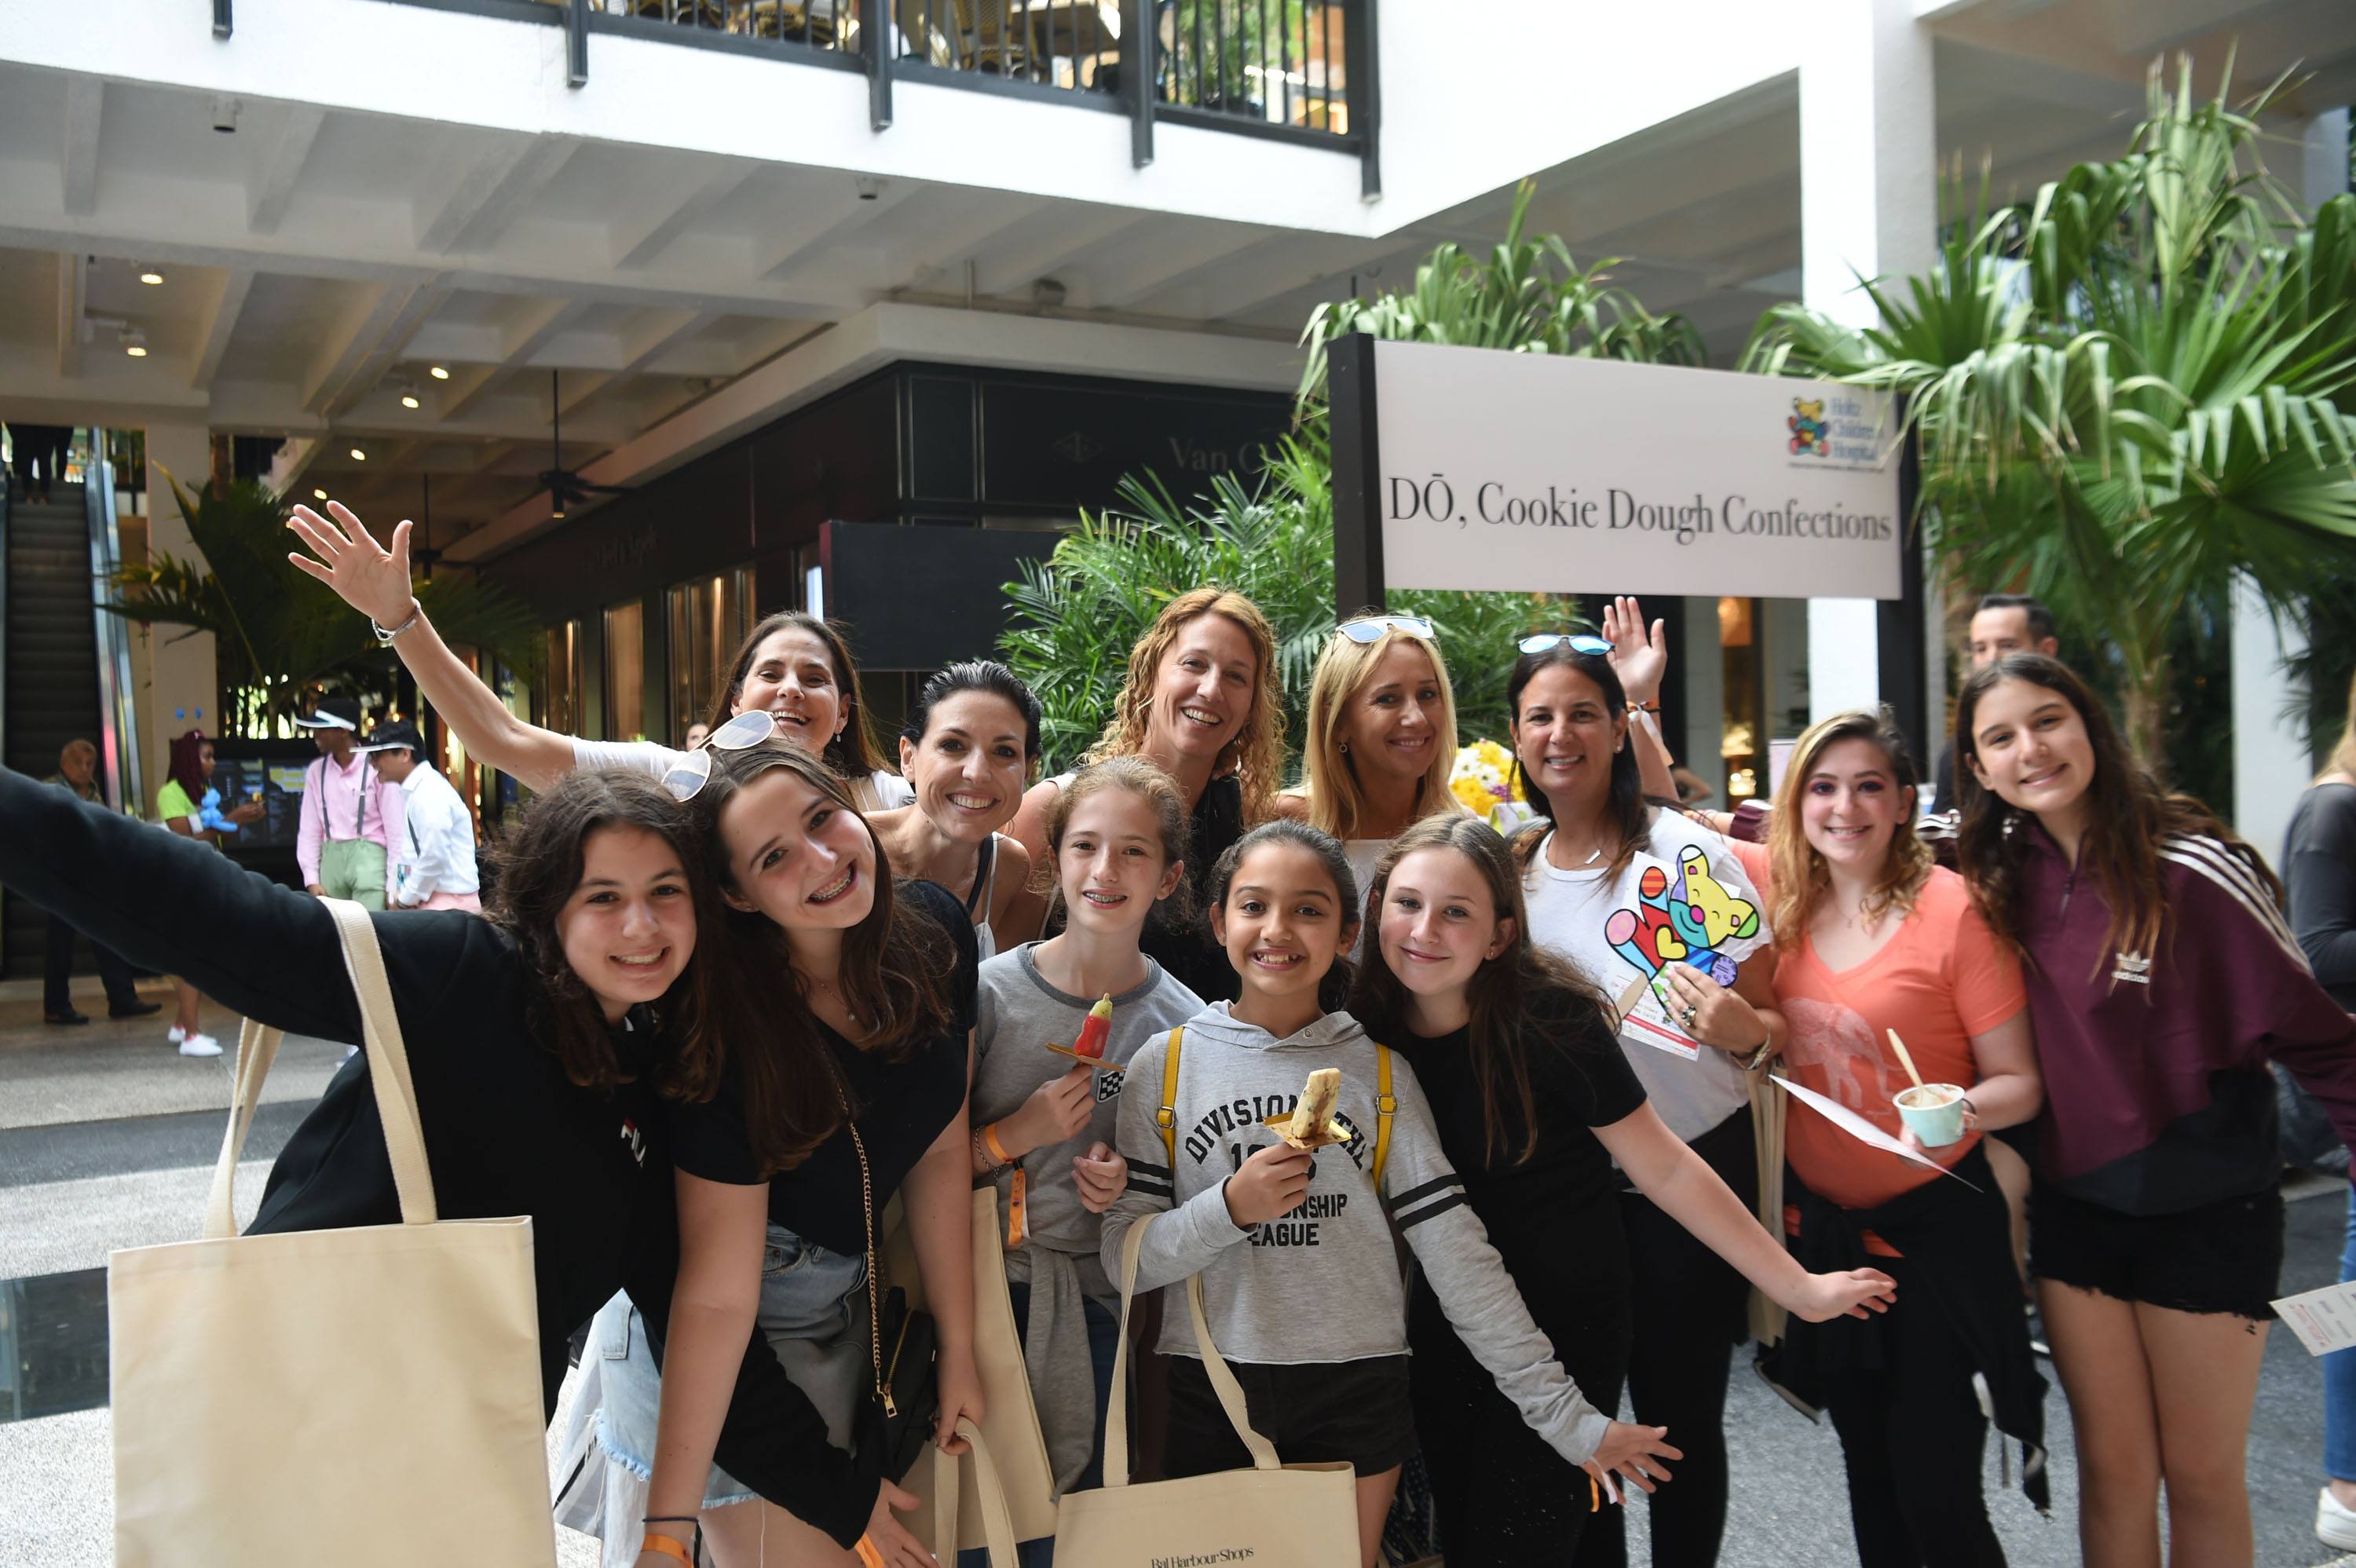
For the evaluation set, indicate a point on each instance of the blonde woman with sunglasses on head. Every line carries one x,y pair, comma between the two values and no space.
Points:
1382,737
792,677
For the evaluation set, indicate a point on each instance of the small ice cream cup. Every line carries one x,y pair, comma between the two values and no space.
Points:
1933,1113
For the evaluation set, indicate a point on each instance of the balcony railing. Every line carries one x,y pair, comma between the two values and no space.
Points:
1294,70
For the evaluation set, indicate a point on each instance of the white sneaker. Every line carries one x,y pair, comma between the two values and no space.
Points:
201,1045
176,1034
2335,1523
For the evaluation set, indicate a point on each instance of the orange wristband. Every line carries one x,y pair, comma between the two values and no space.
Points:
1016,1202
868,1556
667,1547
990,1141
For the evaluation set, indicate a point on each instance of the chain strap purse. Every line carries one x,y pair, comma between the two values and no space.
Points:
889,1431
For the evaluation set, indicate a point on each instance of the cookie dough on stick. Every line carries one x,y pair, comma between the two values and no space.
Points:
1311,1125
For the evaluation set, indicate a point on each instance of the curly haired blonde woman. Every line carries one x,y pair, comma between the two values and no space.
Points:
1201,701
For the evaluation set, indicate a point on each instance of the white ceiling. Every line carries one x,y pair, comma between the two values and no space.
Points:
317,262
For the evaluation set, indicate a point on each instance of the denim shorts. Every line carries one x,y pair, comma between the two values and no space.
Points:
814,1314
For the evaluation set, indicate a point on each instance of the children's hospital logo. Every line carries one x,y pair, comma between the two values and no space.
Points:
1685,920
1811,433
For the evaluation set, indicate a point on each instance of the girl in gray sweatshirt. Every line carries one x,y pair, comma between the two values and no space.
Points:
1300,1278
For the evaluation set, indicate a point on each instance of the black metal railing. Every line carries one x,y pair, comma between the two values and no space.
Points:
1294,70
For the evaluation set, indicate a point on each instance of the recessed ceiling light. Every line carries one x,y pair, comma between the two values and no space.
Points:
317,494
136,350
150,275
359,456
439,372
409,399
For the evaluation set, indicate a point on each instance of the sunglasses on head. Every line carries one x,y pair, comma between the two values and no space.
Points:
688,776
1367,629
1580,643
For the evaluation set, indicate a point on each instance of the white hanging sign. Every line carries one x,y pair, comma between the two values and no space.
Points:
1523,471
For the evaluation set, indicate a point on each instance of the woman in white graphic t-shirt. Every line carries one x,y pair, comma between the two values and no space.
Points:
1659,916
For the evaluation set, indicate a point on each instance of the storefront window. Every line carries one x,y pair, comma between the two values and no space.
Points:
561,697
708,618
626,671
1743,747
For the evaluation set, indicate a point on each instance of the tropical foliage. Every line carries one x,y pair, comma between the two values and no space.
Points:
1271,537
2128,392
279,637
1530,297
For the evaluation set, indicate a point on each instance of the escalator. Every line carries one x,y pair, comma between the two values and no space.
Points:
66,671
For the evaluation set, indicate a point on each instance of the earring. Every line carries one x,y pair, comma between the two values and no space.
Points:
1346,747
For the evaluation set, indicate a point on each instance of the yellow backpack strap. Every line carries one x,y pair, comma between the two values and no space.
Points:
1386,1107
1166,1118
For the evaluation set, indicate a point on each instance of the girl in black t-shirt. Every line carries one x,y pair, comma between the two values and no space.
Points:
1534,1102
790,1144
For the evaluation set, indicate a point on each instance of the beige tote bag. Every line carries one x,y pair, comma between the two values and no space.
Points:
1010,1420
367,1397
1301,1516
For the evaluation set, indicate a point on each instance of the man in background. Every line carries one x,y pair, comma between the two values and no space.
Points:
77,771
433,861
349,816
2002,624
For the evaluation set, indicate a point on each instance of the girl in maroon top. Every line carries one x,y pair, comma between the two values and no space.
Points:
2161,979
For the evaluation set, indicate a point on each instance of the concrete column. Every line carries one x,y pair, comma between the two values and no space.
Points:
186,691
2271,761
1703,663
1869,208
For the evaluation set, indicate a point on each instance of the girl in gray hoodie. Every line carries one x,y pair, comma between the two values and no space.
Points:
1301,1277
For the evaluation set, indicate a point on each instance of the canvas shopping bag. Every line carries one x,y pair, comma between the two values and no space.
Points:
1010,1420
1768,1105
1303,1516
367,1397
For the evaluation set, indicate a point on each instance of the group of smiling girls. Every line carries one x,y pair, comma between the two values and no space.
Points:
730,1002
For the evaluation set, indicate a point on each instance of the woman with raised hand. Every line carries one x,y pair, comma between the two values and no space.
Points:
789,1145
542,1038
1534,1106
1382,738
1657,915
969,749
794,669
1876,942
1203,701
2162,978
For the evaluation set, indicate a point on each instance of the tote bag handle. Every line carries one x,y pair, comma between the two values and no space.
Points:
998,1521
1231,1394
387,1061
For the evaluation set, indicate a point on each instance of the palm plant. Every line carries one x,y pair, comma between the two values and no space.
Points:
1530,297
2128,393
278,634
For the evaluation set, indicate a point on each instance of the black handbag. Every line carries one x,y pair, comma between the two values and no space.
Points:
889,1431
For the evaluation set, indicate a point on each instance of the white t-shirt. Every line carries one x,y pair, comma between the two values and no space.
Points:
654,760
1619,931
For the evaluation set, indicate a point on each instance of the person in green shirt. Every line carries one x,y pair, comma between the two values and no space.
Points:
180,806
77,772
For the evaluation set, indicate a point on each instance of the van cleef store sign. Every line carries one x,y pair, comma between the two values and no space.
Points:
1479,469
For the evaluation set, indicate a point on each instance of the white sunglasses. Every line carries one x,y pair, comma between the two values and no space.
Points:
1369,629
687,777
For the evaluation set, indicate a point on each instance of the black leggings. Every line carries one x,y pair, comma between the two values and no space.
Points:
1913,1438
1503,1497
1689,1313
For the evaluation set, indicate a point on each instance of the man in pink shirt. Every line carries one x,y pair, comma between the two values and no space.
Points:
349,814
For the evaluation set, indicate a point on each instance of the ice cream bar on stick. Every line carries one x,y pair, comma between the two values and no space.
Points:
1311,1125
1096,1033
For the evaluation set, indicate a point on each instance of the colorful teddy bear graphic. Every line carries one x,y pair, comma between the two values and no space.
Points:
1687,921
1809,431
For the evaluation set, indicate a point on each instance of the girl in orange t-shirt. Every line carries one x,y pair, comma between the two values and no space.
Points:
1873,937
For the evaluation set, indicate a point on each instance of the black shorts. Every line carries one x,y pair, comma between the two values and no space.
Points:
1354,1413
2221,1257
